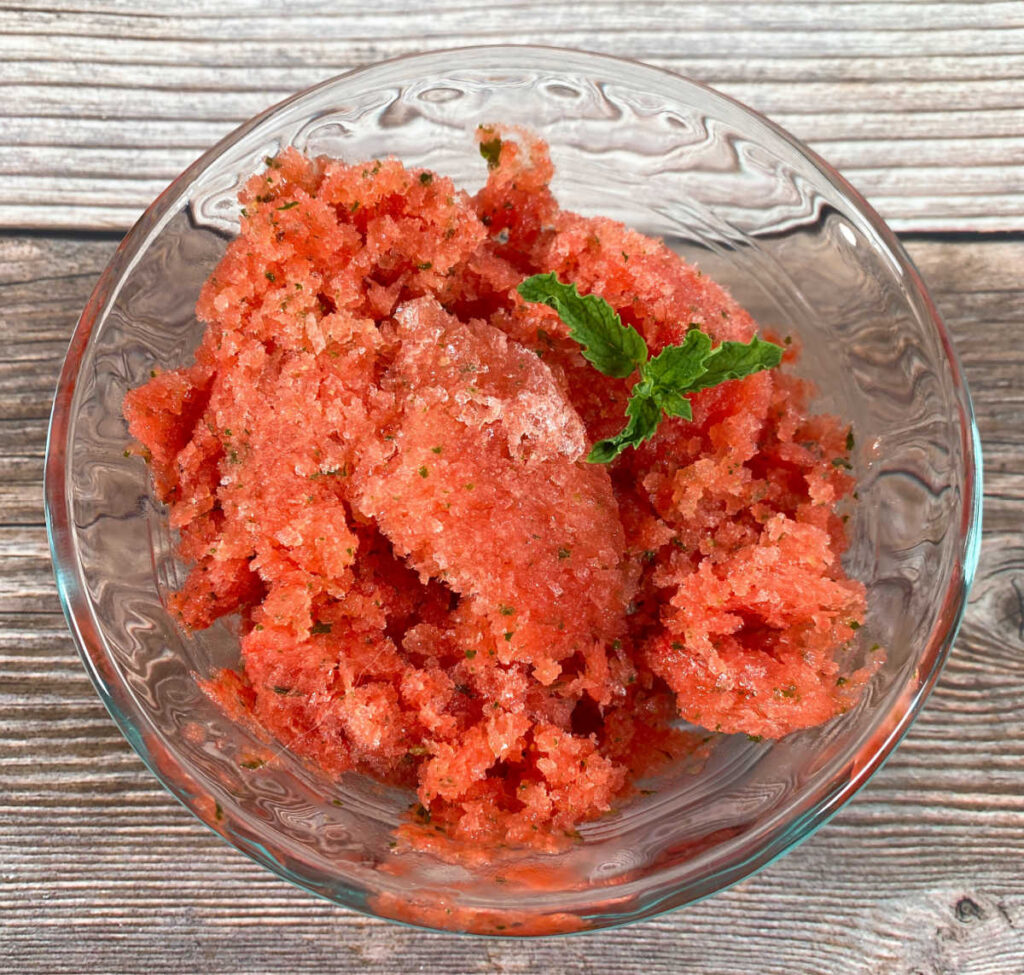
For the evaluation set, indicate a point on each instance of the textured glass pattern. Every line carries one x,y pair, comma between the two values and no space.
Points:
724,187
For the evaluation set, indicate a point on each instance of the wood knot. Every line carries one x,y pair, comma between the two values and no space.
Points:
967,911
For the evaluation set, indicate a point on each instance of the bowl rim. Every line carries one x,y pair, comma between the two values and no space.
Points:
808,812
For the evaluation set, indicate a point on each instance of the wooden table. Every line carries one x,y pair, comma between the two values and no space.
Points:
921,104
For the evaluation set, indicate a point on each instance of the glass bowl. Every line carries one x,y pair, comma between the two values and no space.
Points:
764,216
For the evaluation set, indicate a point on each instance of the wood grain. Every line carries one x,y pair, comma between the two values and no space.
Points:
102,872
920,104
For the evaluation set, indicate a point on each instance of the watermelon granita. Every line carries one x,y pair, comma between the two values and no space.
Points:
378,463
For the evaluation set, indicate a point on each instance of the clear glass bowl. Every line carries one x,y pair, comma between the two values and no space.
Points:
723,186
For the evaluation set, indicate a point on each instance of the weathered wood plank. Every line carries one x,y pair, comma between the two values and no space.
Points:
922,873
920,104
250,19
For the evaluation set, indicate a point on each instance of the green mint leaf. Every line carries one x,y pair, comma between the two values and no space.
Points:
611,347
644,415
734,360
677,367
674,403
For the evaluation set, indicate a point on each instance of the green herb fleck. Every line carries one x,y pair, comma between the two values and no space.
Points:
618,351
564,553
849,439
319,628
490,149
755,738
470,654
339,471
506,610
421,812
841,682
426,178
269,275
436,450
423,472
288,206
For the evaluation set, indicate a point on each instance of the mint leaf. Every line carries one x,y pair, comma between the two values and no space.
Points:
674,403
611,347
734,360
644,415
675,369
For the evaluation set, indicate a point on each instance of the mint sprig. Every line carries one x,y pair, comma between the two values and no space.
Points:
665,381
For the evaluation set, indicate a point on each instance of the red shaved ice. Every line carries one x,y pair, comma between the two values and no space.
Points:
377,462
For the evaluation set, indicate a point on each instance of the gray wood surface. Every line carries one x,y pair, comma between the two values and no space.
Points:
920,104
103,101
